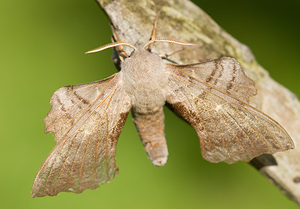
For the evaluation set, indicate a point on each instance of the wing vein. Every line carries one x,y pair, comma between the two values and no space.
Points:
59,173
88,115
247,105
232,131
82,162
219,131
265,130
241,128
96,155
51,168
69,138
110,95
87,109
73,138
74,105
205,84
202,124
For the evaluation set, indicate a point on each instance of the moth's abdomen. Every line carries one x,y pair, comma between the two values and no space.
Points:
150,127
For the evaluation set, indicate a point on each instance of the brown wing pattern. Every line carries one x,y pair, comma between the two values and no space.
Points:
225,74
86,121
228,128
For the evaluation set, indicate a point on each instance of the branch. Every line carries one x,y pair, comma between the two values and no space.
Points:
184,21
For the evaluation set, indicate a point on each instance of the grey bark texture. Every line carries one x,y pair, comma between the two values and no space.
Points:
183,21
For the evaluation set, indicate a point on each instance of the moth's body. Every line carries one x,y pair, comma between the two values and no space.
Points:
145,81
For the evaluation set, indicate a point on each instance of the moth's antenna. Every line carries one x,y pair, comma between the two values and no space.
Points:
154,30
110,46
169,41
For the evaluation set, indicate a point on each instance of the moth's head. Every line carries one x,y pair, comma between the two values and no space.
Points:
143,55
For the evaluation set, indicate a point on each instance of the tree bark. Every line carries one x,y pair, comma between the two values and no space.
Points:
183,21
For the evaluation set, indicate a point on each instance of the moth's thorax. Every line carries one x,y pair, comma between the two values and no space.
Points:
145,80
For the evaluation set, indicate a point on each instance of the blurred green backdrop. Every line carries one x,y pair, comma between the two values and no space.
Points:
42,46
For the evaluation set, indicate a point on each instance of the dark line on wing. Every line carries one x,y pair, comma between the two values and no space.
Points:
272,121
88,109
52,108
80,98
212,73
216,95
219,79
60,103
218,63
232,79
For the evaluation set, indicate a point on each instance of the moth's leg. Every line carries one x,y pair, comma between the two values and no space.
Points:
153,30
119,50
166,56
119,54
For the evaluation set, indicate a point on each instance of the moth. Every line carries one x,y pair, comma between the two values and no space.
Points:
213,97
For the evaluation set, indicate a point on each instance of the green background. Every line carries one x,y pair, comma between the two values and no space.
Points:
42,49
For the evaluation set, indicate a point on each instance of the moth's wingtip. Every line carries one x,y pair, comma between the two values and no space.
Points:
293,145
35,191
33,194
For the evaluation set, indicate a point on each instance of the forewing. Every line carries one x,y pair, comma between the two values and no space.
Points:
228,128
86,121
225,74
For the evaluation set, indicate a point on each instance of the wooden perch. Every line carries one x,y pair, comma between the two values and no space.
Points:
184,21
